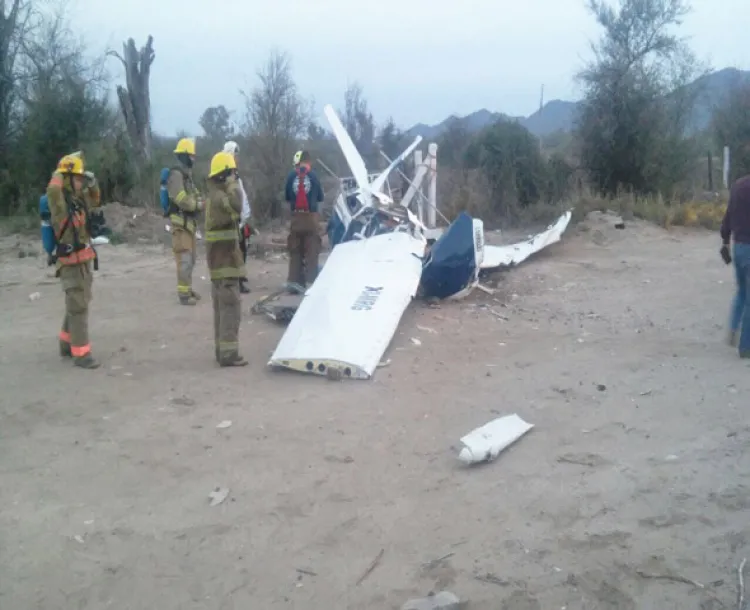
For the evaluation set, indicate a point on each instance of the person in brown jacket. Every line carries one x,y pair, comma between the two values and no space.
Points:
224,257
184,207
71,193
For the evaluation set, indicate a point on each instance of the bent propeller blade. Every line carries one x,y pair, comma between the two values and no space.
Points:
351,154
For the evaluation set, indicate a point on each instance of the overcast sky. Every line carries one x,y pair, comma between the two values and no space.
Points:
418,60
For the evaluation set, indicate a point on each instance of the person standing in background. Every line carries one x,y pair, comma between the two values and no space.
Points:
184,207
224,258
304,194
736,227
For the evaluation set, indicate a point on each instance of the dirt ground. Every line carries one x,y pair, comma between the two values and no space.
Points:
611,343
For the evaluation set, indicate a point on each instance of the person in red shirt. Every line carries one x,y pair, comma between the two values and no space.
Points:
304,194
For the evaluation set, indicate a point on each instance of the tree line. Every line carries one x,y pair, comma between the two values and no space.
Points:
631,133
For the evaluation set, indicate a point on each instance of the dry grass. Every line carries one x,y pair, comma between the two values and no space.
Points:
468,191
694,213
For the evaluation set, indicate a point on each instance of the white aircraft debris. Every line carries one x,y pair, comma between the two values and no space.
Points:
484,444
349,315
513,254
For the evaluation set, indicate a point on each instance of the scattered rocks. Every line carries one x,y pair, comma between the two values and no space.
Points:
218,495
183,401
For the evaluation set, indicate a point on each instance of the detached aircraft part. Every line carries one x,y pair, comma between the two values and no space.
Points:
451,269
349,315
513,254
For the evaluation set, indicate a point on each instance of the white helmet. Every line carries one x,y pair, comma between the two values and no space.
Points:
232,147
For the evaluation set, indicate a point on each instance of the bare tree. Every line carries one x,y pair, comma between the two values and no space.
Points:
63,98
15,18
52,59
276,117
135,97
359,122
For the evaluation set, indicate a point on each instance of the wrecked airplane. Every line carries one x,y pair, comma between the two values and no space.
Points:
381,258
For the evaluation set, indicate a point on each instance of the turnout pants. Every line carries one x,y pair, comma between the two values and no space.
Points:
303,245
225,295
76,283
183,246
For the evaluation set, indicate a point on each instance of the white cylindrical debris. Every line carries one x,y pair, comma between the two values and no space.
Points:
484,444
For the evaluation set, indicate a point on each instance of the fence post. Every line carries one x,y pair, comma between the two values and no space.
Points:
726,167
432,189
420,200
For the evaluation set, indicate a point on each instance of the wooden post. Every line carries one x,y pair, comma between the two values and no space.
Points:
420,200
432,188
710,173
725,173
419,175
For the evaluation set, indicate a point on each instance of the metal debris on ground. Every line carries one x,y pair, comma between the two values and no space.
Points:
223,425
281,304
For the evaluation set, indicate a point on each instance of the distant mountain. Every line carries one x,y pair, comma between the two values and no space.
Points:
559,115
712,90
473,122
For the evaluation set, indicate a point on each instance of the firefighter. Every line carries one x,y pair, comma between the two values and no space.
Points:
184,207
71,193
304,194
224,257
245,228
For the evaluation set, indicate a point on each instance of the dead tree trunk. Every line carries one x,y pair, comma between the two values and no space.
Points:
135,97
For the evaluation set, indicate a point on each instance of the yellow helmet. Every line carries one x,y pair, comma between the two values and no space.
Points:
297,157
185,145
221,162
71,164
